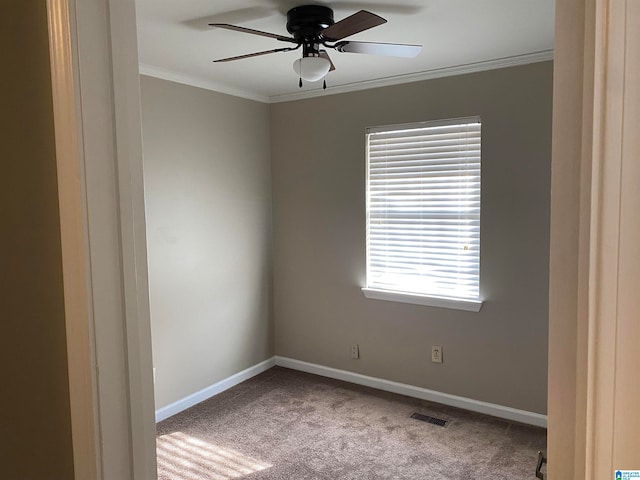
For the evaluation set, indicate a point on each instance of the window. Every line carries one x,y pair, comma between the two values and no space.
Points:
423,213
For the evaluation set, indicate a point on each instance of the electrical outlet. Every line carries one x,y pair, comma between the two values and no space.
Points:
436,354
355,351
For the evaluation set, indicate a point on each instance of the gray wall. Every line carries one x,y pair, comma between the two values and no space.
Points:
35,418
208,194
498,355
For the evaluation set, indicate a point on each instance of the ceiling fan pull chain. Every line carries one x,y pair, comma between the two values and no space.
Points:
324,84
300,82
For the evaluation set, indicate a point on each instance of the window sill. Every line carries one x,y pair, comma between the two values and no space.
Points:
442,302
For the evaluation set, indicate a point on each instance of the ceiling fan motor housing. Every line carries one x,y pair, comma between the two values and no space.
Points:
307,21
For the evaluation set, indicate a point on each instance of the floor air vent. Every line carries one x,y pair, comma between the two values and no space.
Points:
426,418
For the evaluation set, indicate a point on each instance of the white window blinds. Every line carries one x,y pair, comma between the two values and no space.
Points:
423,208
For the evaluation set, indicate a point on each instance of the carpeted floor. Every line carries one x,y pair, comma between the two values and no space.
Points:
288,425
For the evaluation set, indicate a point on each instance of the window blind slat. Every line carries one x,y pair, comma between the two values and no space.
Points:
376,160
455,141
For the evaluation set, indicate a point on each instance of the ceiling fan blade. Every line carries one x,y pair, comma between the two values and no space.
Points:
233,16
386,49
253,32
324,54
257,54
351,25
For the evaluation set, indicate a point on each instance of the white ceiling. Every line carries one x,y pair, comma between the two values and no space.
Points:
176,43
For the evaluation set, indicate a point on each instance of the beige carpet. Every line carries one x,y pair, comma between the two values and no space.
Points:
287,425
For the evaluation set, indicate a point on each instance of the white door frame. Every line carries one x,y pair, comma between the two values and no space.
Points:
595,269
96,95
594,333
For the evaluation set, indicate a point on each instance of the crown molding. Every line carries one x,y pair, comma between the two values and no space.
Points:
417,77
193,81
153,71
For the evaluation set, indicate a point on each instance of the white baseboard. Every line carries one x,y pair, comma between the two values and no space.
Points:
493,409
500,411
208,392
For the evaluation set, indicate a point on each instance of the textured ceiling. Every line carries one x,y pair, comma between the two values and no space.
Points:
175,41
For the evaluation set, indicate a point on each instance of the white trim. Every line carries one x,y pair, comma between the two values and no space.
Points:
508,413
133,236
612,425
110,144
418,77
495,410
165,74
441,302
72,200
208,392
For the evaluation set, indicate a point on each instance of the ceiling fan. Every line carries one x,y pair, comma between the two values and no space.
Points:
312,26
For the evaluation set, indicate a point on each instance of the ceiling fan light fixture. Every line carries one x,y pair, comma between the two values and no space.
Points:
312,68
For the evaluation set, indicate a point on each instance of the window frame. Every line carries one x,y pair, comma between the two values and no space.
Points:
427,299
